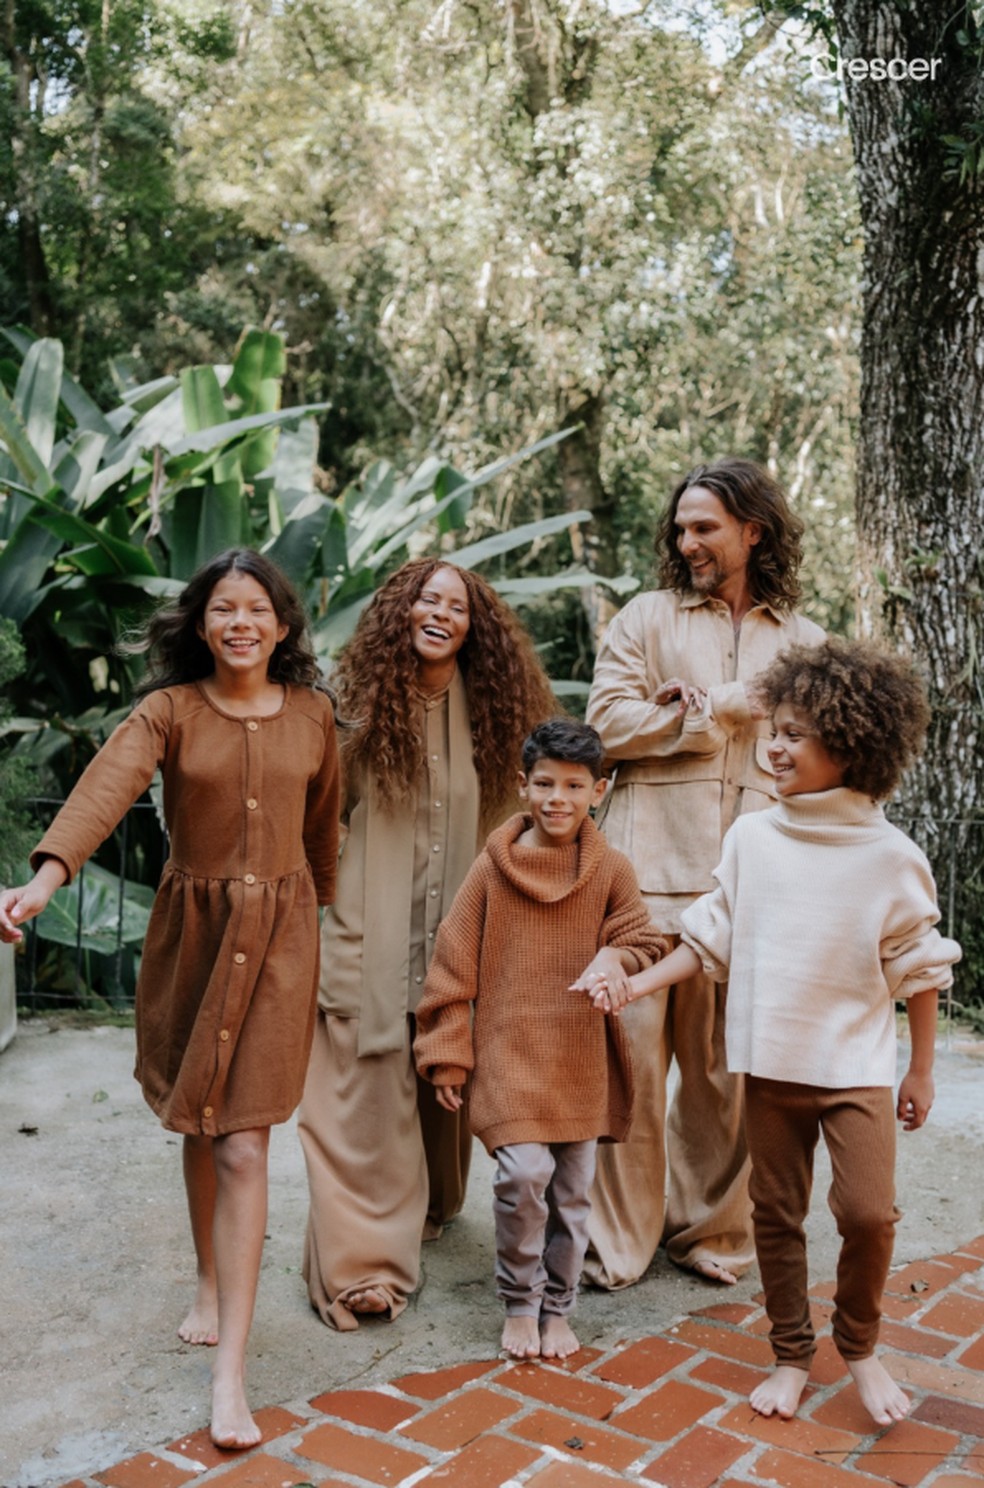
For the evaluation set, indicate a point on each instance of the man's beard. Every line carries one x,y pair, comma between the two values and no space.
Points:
708,580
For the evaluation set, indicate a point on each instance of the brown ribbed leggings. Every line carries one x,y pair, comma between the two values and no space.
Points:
783,1125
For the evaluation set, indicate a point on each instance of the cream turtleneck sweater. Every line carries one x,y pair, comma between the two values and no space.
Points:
823,913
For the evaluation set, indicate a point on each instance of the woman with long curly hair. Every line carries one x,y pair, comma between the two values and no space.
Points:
441,685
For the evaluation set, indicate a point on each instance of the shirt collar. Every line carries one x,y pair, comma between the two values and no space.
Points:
691,600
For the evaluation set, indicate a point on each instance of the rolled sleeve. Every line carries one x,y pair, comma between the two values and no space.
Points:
921,965
707,925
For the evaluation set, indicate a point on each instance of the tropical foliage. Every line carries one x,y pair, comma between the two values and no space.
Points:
474,225
106,513
16,776
102,514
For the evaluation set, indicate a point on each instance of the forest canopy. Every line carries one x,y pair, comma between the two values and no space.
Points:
632,235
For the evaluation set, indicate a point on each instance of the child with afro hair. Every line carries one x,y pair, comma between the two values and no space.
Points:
823,915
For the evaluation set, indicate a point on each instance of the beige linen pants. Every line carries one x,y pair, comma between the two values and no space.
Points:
373,1168
706,1214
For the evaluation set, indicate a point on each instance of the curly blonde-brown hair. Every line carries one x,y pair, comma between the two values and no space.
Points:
867,705
376,680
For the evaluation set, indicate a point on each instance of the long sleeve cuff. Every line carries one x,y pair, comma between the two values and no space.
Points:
445,1074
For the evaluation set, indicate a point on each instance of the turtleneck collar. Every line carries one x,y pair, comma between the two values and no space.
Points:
547,874
816,814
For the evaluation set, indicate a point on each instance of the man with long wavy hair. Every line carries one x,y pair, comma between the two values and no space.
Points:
673,702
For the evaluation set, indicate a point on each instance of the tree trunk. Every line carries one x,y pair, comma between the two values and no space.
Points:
920,482
579,458
37,283
554,66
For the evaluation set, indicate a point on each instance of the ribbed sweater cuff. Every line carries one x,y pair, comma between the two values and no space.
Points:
446,1074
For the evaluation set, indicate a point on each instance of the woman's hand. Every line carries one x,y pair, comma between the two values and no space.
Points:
449,1096
18,905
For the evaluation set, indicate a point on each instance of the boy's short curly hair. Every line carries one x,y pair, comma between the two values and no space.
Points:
868,707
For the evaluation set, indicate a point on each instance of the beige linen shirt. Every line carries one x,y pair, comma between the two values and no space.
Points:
715,760
399,870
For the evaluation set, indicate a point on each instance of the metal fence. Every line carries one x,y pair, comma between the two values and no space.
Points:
63,972
54,975
955,847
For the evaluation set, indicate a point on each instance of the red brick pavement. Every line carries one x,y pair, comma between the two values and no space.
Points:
667,1409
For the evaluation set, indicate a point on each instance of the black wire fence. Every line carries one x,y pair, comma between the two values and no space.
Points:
85,950
955,847
85,953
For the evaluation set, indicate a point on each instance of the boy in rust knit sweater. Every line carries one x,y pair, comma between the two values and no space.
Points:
547,901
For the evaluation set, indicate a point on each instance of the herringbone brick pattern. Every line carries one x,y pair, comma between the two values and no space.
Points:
668,1408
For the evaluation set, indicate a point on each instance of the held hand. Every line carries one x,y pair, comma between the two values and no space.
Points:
604,974
18,905
687,695
915,1100
449,1096
607,996
612,997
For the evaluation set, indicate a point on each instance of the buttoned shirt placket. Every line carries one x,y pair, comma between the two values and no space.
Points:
242,974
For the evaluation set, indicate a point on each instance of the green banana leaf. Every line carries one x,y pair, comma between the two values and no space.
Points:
98,891
503,542
103,553
37,394
17,442
201,399
85,412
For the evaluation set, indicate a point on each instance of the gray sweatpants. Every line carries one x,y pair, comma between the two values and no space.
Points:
541,1208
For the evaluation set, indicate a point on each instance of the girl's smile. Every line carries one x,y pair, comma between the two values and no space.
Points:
240,626
799,760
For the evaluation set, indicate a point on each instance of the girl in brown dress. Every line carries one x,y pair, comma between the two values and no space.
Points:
245,742
441,685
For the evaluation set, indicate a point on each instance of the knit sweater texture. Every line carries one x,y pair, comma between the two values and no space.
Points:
545,1066
823,913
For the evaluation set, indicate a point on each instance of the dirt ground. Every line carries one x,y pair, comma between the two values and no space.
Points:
96,1270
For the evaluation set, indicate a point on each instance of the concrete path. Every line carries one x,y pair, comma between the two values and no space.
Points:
96,1271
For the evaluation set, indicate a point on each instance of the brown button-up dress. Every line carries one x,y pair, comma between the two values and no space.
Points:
227,989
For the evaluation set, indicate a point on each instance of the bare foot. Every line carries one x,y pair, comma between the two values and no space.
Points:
233,1426
521,1337
779,1395
880,1395
557,1338
714,1271
370,1300
202,1323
